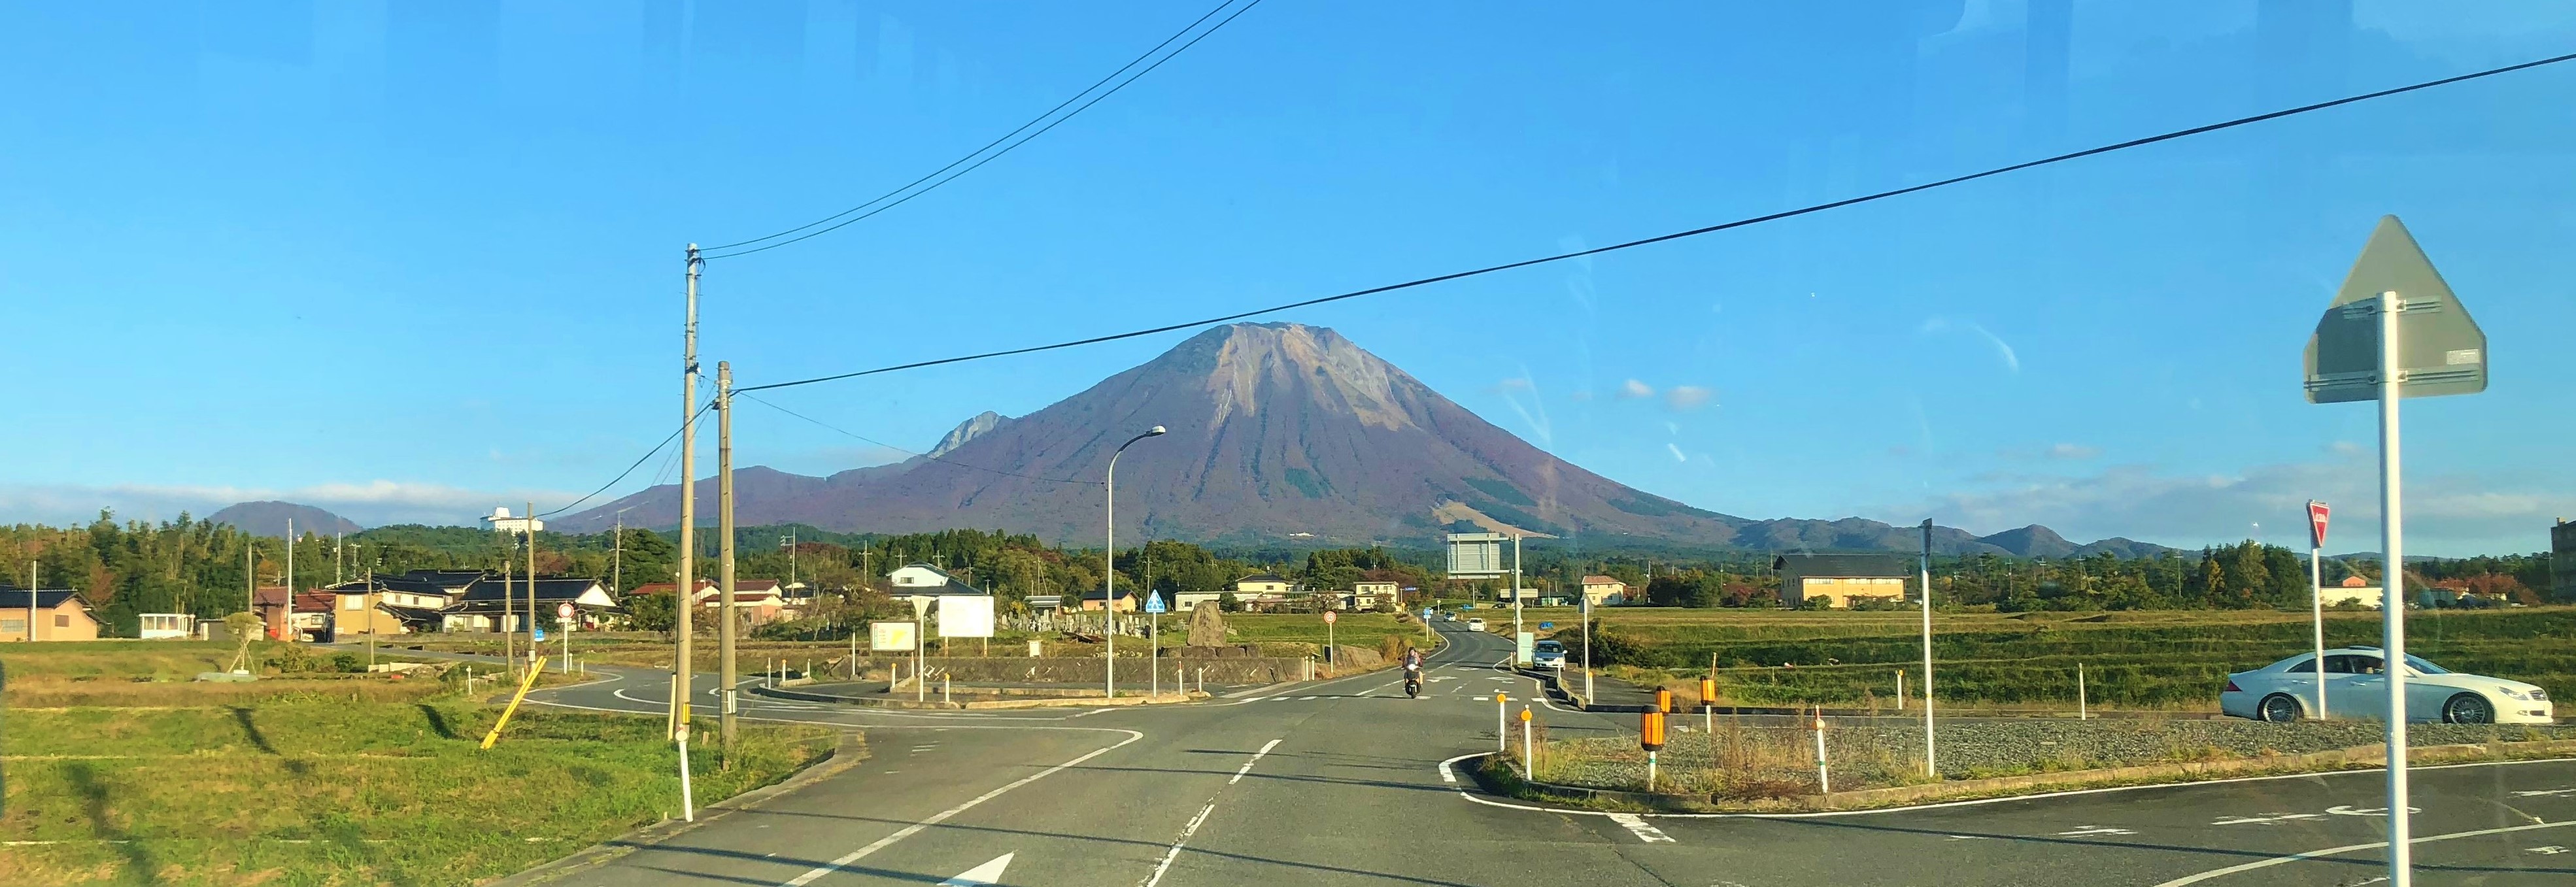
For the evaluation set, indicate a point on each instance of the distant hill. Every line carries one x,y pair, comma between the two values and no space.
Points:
1279,432
269,519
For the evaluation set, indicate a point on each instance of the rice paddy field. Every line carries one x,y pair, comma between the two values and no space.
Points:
2159,660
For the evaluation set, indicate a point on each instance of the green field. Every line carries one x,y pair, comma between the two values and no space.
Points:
2174,660
354,780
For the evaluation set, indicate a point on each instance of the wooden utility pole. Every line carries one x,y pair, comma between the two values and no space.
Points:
509,642
685,592
725,669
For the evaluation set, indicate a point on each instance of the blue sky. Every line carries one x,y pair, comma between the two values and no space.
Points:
412,260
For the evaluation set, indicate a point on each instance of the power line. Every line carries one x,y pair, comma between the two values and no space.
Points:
630,469
889,446
1694,232
988,146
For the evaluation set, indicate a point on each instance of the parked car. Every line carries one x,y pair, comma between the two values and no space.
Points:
1547,654
2357,687
1475,625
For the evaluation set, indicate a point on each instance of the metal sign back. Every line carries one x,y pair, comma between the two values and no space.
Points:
2441,351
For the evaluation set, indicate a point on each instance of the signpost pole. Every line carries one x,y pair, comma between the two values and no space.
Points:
2317,594
1930,766
2392,593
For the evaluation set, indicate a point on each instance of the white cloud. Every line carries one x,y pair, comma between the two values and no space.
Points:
1677,452
1633,389
1687,397
2072,451
2445,514
2004,350
372,503
1512,384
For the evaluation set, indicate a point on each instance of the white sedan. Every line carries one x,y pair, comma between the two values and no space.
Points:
2357,687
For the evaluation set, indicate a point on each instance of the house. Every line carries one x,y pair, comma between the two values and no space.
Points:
1264,584
1373,595
163,626
502,603
921,584
1840,579
304,616
1604,591
57,614
386,604
758,600
1126,603
1186,601
2353,590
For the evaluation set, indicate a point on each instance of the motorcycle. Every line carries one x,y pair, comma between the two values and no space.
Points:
1412,684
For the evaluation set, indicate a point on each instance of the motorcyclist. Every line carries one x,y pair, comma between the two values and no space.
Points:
1412,672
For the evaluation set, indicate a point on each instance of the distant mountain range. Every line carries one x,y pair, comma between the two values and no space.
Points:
1276,431
269,519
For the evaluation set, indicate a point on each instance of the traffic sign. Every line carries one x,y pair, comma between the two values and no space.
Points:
563,611
1426,613
1328,617
2440,349
2316,524
536,634
1545,625
1154,602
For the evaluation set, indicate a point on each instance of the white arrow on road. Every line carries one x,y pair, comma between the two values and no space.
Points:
985,875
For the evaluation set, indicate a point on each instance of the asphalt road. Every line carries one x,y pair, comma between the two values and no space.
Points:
1342,782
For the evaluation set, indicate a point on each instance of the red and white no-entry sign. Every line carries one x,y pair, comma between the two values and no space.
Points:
563,611
2316,524
1328,617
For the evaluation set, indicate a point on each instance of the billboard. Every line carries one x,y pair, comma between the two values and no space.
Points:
965,616
893,635
1475,555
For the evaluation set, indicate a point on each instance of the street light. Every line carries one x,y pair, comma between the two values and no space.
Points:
1109,563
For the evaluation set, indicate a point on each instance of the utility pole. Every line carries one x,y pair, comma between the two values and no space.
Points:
617,556
686,591
1931,769
509,642
371,621
250,575
726,669
290,581
337,575
31,601
535,654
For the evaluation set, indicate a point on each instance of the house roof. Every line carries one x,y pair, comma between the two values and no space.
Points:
1602,580
1261,577
1097,594
46,598
444,578
669,587
945,589
1858,566
490,589
316,602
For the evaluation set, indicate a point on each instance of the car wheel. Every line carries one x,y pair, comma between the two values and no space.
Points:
2468,708
2278,708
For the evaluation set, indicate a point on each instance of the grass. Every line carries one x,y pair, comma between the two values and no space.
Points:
308,787
2165,660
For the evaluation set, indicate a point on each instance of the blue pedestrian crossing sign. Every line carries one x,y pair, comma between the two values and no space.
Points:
537,634
1154,602
1426,613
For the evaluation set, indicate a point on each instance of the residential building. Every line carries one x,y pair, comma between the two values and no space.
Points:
163,626
1373,595
304,616
497,603
2352,590
1126,603
58,614
922,584
1840,579
1264,584
1604,591
1186,601
758,600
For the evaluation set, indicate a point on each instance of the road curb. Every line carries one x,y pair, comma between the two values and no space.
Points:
2185,773
849,752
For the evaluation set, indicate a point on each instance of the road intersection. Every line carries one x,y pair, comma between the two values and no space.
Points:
1348,782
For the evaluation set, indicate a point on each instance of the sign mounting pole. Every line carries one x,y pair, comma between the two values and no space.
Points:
2317,594
2394,331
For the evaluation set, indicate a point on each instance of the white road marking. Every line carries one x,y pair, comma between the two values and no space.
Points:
1967,837
2267,820
985,875
1305,699
2551,850
2349,848
1445,774
2546,793
1643,830
2096,830
1256,758
2349,810
1193,827
943,815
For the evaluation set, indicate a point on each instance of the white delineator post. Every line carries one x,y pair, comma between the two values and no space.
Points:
1824,779
1502,723
2081,713
688,803
2392,590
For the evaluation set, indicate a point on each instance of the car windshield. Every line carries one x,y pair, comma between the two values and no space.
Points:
1086,406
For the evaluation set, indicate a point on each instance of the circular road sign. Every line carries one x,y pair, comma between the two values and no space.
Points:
563,611
1328,617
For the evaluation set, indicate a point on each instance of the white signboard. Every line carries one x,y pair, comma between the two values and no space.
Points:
965,616
893,635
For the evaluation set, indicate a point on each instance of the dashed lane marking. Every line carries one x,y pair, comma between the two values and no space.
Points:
2096,830
2551,850
2350,848
2267,820
1638,826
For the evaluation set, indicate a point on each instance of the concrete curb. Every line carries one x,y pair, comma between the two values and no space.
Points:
2356,758
850,752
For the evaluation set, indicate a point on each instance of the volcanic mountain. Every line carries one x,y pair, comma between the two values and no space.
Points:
1275,430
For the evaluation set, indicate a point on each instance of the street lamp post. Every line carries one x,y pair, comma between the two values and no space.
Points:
1109,562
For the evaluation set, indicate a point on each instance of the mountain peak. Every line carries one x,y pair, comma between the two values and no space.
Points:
270,518
968,430
2031,541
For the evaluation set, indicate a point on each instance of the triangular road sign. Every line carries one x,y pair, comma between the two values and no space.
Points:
2316,524
2440,349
